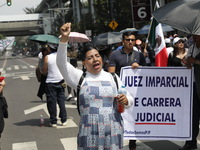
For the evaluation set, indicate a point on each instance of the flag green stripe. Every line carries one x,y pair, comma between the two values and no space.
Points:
151,39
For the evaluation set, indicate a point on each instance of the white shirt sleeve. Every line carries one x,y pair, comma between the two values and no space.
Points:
70,74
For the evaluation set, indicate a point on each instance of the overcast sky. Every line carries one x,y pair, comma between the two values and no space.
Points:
17,6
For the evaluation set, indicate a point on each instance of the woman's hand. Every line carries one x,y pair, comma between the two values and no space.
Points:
121,98
65,31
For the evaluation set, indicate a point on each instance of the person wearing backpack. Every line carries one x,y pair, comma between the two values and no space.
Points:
101,125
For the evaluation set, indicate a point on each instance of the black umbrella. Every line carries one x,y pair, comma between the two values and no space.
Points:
107,38
183,15
145,29
129,29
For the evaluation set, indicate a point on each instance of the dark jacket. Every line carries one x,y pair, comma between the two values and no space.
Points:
1,116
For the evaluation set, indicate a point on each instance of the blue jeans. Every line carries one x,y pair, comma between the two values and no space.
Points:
56,94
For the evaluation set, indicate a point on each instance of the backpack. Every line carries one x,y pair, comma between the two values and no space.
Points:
80,82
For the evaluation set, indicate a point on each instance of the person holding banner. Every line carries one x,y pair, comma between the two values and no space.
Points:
193,57
126,56
101,125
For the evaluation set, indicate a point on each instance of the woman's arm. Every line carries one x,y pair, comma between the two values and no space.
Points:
45,66
69,73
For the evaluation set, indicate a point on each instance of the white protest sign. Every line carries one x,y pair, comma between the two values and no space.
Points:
162,108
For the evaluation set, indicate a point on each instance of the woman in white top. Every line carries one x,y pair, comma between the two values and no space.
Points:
101,125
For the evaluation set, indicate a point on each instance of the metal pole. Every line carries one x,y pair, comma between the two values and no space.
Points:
62,12
49,15
111,9
83,13
133,22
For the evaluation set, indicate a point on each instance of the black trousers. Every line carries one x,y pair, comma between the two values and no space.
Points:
132,144
195,117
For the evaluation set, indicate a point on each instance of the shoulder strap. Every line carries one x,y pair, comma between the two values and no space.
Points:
116,82
78,89
115,78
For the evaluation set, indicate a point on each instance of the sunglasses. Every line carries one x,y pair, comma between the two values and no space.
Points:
129,40
180,41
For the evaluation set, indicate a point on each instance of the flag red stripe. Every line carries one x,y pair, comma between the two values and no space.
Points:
162,58
148,123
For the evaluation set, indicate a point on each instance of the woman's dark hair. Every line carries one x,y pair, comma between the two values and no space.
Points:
176,51
85,49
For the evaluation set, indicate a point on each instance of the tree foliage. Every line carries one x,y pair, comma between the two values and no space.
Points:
103,16
121,14
2,37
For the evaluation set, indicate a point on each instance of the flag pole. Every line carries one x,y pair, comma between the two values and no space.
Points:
156,5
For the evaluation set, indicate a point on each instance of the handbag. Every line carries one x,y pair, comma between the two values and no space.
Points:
4,107
38,74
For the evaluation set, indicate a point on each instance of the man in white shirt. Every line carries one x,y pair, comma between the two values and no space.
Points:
55,91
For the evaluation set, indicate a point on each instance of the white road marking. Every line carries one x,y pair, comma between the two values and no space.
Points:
9,68
25,78
24,67
31,66
44,107
16,67
69,143
36,108
73,144
70,122
25,146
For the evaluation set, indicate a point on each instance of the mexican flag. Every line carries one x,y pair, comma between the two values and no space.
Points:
156,39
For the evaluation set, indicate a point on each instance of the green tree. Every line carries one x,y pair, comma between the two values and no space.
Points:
103,18
2,37
121,14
